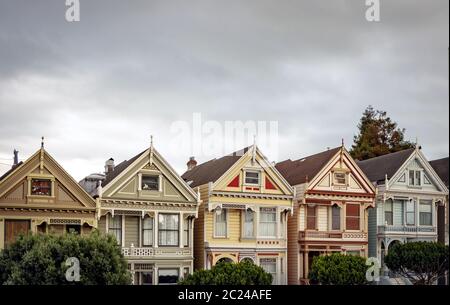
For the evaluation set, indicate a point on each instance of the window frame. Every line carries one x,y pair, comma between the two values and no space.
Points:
148,175
391,212
335,207
152,230
275,222
245,223
335,180
178,273
252,172
177,230
42,179
308,216
416,177
426,203
225,212
274,260
413,204
115,229
347,217
186,230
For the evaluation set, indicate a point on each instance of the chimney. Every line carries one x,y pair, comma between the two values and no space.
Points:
191,163
109,165
16,158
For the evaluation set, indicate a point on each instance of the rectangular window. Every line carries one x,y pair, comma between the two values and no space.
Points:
425,210
311,218
168,276
335,217
115,227
339,178
252,178
42,187
221,223
14,228
410,212
248,223
150,183
267,222
270,266
147,231
415,178
168,229
388,213
146,278
352,217
73,229
186,233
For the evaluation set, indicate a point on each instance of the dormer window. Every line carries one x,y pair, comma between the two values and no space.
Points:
150,183
339,178
41,187
252,178
415,178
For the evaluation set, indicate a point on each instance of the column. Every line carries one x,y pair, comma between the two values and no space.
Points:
155,231
181,239
278,218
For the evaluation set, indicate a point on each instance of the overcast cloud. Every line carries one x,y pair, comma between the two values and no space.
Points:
99,87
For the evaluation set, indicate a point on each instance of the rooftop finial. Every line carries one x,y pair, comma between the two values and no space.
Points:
254,149
151,141
151,150
42,142
342,142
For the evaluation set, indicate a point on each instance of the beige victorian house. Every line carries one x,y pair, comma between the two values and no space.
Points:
151,211
38,195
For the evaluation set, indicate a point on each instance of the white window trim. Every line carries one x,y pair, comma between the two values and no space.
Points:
421,178
277,222
276,279
252,171
243,225
345,176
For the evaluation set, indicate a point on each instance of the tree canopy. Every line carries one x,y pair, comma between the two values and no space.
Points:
40,259
420,262
377,135
225,273
338,269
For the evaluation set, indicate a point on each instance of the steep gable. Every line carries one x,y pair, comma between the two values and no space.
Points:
18,187
147,176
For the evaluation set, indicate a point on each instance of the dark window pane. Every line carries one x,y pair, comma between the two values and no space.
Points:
150,183
41,187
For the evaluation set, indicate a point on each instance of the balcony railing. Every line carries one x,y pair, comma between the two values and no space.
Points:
303,235
406,229
155,252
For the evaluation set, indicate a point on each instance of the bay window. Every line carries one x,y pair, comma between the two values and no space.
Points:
221,223
352,216
115,227
388,213
335,217
147,231
168,229
410,212
425,212
267,222
311,217
248,224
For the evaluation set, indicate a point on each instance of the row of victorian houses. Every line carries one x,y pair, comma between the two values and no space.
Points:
233,208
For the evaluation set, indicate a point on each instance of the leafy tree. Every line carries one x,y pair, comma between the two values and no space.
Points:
420,262
378,135
224,273
338,269
40,259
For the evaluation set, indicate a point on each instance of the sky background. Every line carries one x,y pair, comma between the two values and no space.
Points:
99,87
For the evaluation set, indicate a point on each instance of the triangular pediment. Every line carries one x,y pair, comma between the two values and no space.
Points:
341,174
41,181
252,173
149,177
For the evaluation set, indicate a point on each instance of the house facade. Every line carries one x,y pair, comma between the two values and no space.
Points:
145,204
39,196
409,193
331,205
243,213
441,167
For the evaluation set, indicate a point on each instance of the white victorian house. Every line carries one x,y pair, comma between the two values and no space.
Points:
409,194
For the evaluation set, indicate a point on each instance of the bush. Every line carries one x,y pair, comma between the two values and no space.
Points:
223,273
40,260
338,269
421,262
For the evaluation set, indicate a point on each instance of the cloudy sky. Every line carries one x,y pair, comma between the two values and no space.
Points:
98,88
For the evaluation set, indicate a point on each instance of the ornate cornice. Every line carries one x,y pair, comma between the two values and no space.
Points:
251,195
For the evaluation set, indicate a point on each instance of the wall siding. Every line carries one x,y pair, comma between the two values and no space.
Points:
293,247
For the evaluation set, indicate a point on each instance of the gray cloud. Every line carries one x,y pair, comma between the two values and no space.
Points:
99,87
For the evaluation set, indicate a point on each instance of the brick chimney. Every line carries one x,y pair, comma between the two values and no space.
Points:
109,165
191,163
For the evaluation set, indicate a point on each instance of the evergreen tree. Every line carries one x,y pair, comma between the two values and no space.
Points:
378,135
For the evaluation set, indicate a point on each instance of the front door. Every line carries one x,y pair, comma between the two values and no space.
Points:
14,228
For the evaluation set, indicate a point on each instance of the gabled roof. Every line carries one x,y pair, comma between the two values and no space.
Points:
303,169
213,169
10,170
377,168
440,166
120,168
